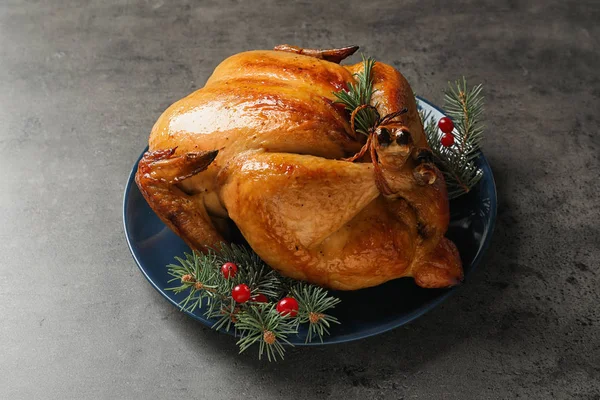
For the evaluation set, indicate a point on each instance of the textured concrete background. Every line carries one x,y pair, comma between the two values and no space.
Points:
81,83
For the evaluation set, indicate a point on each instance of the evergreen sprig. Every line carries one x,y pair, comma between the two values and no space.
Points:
314,301
464,106
359,93
199,275
262,324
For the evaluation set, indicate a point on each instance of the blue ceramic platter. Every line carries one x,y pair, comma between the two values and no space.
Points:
362,313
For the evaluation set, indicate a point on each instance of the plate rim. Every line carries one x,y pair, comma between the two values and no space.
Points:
396,323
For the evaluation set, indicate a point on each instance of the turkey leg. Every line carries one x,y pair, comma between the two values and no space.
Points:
331,215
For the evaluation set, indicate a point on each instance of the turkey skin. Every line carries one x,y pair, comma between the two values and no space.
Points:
264,150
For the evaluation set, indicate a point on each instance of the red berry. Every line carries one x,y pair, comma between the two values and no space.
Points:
447,140
229,270
446,125
241,293
259,298
287,306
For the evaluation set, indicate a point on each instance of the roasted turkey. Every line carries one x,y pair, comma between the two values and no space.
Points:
264,150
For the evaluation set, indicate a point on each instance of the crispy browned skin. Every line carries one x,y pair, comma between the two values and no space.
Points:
279,173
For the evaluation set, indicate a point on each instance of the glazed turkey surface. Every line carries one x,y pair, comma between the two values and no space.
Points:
260,148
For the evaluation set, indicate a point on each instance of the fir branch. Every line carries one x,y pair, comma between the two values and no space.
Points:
358,94
457,162
256,274
465,107
314,302
257,323
195,276
262,324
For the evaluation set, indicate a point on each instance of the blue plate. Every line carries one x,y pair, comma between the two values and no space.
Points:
362,313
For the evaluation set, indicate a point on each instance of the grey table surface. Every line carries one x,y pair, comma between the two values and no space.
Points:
82,82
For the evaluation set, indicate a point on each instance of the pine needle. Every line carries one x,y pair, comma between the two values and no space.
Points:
457,162
199,276
359,93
